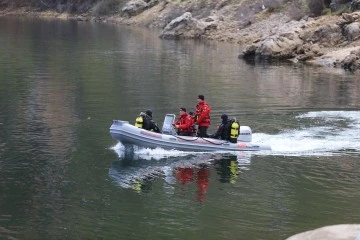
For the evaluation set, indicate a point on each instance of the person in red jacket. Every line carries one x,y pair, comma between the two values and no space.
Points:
184,124
202,116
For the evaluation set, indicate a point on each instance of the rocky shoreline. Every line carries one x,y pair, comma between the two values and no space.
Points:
264,32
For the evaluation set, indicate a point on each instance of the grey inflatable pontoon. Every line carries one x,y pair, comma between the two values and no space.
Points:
127,134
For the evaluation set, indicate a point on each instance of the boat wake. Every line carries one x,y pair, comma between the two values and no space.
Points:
318,134
147,153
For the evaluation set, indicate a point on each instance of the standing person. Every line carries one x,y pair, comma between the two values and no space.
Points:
184,123
223,131
146,122
202,116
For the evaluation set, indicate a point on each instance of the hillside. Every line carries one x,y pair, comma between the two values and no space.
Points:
325,33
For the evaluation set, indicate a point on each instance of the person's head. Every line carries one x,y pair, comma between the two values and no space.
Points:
149,113
191,113
182,110
224,118
200,98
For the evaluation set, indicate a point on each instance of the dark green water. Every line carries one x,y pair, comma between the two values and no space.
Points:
62,176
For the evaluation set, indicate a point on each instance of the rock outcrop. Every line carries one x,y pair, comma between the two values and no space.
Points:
334,232
307,41
187,27
134,7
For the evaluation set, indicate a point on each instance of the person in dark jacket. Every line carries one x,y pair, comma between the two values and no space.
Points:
222,131
184,123
148,123
202,116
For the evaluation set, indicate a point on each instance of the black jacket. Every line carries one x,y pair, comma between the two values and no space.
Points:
149,124
223,131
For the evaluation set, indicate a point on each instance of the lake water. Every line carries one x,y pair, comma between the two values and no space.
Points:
62,176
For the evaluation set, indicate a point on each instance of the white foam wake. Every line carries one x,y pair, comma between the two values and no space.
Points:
319,133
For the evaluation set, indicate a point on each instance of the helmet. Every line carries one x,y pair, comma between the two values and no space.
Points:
224,117
149,113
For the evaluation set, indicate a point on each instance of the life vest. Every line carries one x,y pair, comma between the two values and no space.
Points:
143,121
234,131
139,122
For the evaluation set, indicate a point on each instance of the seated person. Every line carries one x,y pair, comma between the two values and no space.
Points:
193,130
184,124
193,126
146,122
223,130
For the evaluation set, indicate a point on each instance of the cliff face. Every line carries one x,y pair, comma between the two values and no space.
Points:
295,30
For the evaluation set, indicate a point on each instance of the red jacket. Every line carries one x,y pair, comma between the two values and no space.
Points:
185,123
202,114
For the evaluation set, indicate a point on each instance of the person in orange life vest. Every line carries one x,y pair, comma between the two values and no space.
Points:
202,116
184,123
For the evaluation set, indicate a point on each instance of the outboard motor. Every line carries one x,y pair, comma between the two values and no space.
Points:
245,134
168,127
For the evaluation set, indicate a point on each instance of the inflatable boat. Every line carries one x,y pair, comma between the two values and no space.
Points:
128,134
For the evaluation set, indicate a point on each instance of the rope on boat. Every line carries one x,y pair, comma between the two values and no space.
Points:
211,142
191,140
188,140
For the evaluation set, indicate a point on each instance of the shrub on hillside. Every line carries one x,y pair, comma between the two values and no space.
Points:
14,3
106,7
316,7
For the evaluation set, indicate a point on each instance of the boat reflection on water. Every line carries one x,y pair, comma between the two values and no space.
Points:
200,175
184,170
230,167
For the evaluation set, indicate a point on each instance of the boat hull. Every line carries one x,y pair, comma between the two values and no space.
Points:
128,134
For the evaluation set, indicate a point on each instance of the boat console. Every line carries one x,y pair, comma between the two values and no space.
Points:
168,127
